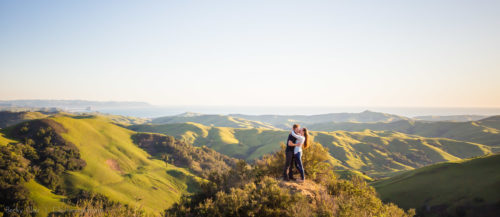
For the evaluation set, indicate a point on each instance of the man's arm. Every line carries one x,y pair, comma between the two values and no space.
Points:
290,143
295,135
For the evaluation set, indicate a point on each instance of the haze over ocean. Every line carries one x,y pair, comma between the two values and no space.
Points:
157,111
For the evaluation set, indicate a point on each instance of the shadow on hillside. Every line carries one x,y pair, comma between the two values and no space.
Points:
83,116
192,184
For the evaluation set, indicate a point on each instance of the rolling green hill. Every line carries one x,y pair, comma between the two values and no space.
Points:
462,188
286,121
381,153
45,201
4,140
114,163
376,153
275,121
493,122
235,142
455,118
212,120
122,120
485,131
117,168
8,118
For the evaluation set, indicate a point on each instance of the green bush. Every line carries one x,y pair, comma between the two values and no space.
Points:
49,154
86,204
201,160
14,197
248,190
357,198
264,198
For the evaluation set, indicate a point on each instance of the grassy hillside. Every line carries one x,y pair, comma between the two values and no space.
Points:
8,118
122,120
113,165
349,174
44,199
4,140
493,122
460,188
202,161
380,153
286,121
117,168
275,121
212,120
373,152
456,118
485,131
235,142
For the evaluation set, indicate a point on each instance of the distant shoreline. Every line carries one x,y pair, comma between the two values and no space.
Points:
146,110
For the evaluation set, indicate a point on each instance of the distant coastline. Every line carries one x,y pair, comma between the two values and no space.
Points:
146,110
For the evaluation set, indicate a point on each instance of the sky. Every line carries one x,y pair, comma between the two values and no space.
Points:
260,53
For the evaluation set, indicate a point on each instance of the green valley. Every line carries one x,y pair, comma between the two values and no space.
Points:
485,131
376,153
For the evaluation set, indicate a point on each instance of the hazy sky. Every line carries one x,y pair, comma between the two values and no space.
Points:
324,53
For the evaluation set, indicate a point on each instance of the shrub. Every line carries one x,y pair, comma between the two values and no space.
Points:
46,149
14,197
200,160
249,190
93,204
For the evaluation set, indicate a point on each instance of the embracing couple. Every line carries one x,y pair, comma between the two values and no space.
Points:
297,139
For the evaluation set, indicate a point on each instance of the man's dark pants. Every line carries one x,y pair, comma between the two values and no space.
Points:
288,165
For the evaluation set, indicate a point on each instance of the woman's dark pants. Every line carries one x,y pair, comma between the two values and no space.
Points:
300,166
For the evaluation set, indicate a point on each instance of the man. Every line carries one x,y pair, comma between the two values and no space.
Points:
290,155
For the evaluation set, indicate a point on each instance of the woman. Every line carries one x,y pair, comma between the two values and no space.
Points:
302,141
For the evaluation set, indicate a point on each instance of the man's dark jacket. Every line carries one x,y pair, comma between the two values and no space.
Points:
293,139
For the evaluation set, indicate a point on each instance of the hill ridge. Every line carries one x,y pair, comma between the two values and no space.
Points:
447,188
377,153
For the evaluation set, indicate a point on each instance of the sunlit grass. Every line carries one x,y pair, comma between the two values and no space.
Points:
452,183
44,199
138,180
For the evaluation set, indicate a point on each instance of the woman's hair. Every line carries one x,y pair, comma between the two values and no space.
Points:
306,135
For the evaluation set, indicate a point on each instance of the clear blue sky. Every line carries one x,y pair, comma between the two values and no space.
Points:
271,53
